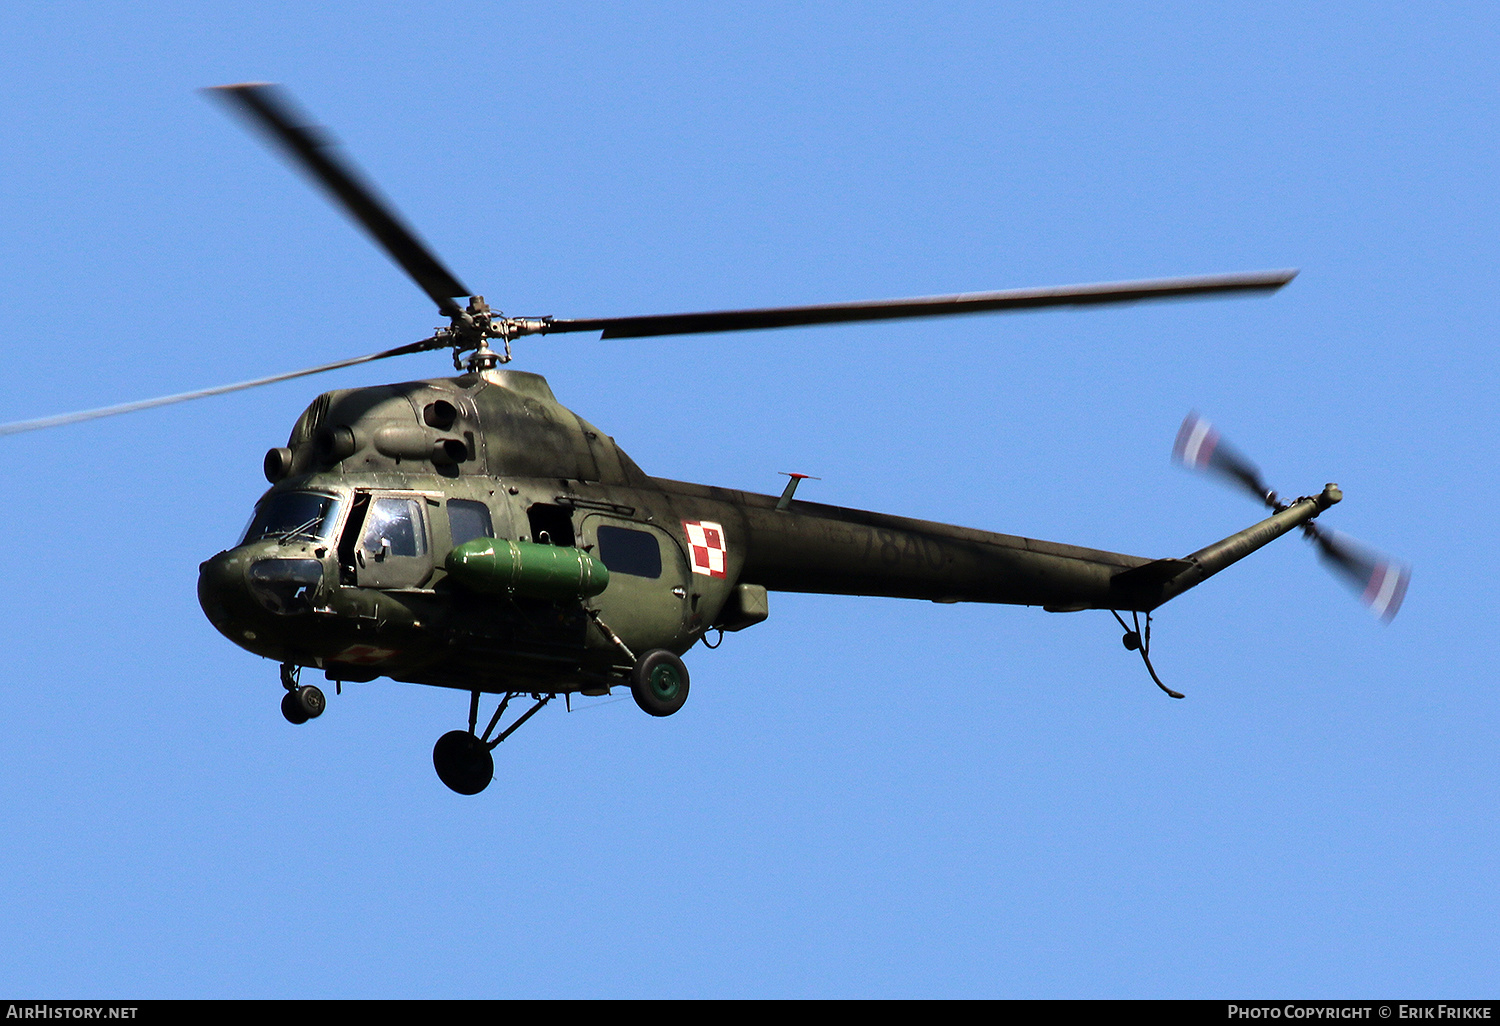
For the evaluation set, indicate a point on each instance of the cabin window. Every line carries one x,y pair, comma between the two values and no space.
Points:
397,521
293,516
626,551
468,520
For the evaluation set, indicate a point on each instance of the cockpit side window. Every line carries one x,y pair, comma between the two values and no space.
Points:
468,520
395,521
293,516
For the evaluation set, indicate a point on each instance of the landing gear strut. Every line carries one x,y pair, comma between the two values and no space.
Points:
462,758
302,702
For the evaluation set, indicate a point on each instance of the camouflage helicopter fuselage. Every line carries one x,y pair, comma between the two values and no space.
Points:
347,564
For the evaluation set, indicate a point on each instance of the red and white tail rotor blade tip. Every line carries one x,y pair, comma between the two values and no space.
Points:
1196,442
1199,446
1380,580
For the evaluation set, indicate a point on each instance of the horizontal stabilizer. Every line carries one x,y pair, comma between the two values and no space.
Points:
1150,575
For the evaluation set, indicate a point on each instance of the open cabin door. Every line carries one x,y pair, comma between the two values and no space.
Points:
646,602
387,540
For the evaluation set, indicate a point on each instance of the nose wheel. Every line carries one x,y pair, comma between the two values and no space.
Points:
302,702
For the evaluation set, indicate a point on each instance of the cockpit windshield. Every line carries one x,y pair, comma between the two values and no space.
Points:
294,516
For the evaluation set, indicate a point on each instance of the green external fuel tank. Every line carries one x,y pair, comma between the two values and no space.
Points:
500,566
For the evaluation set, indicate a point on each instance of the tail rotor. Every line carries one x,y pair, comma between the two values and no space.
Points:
1380,580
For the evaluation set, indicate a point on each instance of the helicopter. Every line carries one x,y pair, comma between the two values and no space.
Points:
471,532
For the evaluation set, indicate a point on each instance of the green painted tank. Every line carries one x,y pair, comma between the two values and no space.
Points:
499,567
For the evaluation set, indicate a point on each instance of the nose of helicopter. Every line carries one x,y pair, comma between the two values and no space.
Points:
224,595
259,596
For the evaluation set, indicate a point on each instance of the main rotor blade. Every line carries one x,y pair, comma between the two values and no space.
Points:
1200,447
16,427
925,306
271,109
1380,580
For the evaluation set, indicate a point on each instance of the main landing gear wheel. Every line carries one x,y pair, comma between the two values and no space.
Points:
659,682
305,703
463,762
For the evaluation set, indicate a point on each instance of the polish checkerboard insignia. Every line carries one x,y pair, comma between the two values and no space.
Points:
706,542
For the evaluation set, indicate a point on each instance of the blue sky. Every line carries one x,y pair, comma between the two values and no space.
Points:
862,797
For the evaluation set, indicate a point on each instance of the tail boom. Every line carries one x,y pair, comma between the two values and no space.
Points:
831,550
1145,587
